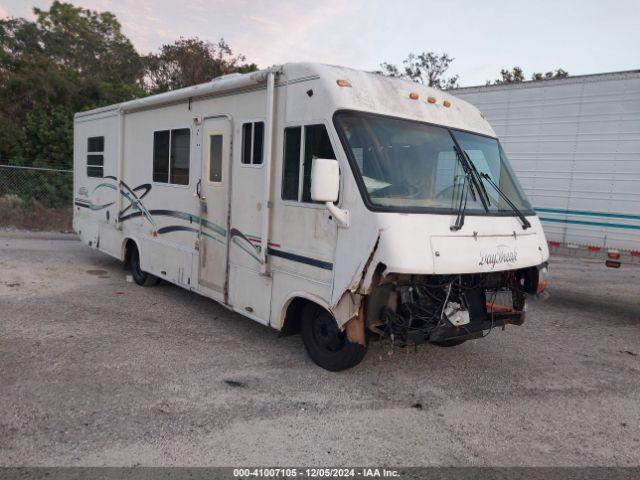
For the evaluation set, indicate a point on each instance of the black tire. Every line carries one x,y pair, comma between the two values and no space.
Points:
454,342
327,346
141,277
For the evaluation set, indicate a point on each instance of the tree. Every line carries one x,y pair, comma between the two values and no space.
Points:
87,42
427,68
516,75
189,61
68,59
559,73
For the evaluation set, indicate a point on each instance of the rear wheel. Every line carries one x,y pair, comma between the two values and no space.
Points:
326,344
140,276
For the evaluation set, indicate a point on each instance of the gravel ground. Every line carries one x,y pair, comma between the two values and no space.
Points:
98,371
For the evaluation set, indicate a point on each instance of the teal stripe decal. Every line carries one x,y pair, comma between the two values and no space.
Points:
191,218
93,206
213,238
215,227
113,187
595,224
589,214
106,185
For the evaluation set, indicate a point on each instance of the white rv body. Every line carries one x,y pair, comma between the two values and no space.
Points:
575,144
230,236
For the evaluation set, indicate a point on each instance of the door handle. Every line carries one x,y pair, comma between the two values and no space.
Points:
198,188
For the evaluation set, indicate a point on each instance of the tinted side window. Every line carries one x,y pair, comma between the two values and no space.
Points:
171,156
180,153
316,145
247,136
296,181
95,144
252,143
95,157
161,156
258,142
215,158
291,163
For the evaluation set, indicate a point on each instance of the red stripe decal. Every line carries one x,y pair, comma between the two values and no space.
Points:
258,240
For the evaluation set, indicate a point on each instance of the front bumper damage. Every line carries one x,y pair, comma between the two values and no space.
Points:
476,327
414,309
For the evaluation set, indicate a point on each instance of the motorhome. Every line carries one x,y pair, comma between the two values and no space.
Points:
574,143
316,199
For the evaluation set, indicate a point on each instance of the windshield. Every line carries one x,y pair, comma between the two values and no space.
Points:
408,165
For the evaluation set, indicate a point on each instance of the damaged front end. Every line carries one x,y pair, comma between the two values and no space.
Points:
413,309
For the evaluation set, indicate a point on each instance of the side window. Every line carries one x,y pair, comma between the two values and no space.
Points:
297,161
179,161
161,156
316,145
291,163
252,143
171,156
95,157
215,158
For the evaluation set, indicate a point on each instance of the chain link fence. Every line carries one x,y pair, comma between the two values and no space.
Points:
36,198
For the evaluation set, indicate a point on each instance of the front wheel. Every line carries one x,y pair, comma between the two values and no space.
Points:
141,277
326,344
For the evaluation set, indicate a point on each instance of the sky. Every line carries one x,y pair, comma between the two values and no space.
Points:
483,36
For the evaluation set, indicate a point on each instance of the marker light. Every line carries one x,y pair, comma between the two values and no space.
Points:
446,103
543,279
343,83
431,99
613,255
414,96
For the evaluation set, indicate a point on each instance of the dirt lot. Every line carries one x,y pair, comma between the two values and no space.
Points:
98,371
15,216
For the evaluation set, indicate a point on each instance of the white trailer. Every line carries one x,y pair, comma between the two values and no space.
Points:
575,144
317,199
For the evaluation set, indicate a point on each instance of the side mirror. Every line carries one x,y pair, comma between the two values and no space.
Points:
325,180
325,186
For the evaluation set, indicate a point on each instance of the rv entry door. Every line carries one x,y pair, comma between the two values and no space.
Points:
213,190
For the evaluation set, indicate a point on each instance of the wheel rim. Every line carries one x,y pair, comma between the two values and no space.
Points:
326,333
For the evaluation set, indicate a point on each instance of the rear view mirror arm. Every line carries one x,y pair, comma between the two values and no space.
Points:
341,216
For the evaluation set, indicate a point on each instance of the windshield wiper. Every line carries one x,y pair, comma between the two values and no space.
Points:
468,183
462,206
478,177
523,219
470,170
